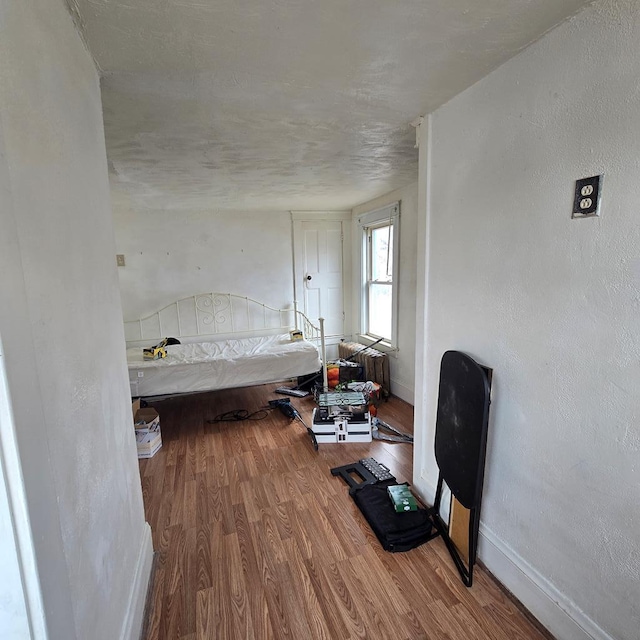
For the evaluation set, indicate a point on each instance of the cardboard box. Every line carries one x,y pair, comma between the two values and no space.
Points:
148,442
147,425
146,418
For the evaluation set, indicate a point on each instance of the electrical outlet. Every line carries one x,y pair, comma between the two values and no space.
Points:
120,260
586,202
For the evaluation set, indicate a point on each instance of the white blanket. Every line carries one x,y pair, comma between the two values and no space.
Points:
204,366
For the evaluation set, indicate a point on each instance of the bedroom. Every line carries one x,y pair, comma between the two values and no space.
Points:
557,317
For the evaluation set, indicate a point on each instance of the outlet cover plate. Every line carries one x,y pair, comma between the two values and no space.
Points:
586,201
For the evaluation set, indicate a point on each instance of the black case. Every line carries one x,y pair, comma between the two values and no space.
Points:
395,531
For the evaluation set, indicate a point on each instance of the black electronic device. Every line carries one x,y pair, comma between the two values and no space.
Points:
377,469
323,415
364,471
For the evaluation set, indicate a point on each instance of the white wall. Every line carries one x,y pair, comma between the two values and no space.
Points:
170,256
61,325
402,362
552,304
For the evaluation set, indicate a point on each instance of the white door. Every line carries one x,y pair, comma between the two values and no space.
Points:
319,284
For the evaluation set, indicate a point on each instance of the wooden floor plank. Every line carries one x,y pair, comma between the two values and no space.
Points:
249,567
310,606
344,601
372,612
256,539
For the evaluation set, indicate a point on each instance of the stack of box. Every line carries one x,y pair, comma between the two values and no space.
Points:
147,425
402,498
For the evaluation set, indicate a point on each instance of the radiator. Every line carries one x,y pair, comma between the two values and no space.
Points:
375,363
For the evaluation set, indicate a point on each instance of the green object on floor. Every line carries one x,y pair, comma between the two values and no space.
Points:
402,498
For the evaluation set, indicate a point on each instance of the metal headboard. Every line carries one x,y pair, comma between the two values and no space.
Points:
217,314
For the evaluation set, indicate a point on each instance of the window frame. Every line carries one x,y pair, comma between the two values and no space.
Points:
368,222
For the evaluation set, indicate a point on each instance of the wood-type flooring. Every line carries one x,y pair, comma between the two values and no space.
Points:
255,538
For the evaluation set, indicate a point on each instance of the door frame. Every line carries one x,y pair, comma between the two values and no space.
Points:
16,539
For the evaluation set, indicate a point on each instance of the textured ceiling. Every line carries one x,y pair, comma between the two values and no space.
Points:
286,104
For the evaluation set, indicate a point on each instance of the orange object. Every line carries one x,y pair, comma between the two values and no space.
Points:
333,376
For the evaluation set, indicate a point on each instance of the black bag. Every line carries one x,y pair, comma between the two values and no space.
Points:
396,531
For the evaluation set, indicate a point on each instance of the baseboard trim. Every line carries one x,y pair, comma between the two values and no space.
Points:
553,609
148,606
132,626
557,613
402,391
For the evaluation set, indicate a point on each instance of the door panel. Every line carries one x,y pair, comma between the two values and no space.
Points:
318,267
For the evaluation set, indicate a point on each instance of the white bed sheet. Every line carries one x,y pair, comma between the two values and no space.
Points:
204,366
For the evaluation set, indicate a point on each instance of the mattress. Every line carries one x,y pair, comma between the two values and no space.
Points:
205,366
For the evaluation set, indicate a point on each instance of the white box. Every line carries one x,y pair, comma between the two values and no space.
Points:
147,425
341,429
148,442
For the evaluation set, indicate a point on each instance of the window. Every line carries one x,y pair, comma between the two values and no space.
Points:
379,274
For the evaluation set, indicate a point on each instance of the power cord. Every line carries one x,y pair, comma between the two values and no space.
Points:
282,404
239,415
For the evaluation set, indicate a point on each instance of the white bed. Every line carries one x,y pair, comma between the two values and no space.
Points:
226,341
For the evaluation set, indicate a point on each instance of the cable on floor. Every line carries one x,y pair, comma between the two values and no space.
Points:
239,415
394,435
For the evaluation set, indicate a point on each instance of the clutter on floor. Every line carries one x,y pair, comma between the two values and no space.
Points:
364,471
391,509
401,498
374,362
381,430
343,371
239,415
292,391
397,529
146,422
341,417
282,404
285,407
371,391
